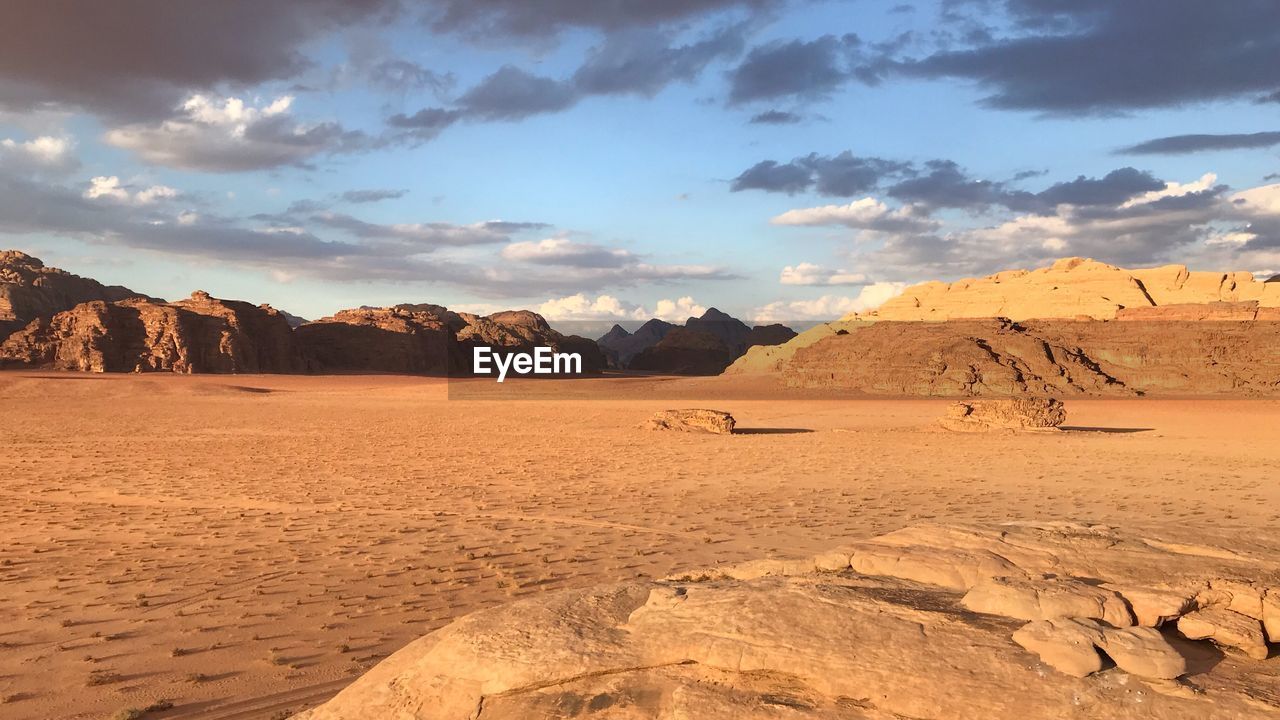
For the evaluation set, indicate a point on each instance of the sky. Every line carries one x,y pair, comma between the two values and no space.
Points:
623,159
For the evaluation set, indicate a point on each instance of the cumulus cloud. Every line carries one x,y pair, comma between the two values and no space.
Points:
810,274
797,69
678,310
841,175
109,188
229,135
866,214
828,307
562,251
40,155
581,306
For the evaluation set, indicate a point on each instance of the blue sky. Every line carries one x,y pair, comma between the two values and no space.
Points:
212,148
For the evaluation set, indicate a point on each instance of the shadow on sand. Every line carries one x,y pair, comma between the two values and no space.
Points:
770,431
1113,430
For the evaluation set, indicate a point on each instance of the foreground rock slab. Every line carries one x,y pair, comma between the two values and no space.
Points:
1034,413
816,638
716,422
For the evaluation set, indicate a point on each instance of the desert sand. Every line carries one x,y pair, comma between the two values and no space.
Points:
246,546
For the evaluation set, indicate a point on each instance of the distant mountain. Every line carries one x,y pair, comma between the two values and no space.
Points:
621,346
701,348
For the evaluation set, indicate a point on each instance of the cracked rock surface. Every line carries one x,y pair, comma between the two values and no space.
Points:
1025,621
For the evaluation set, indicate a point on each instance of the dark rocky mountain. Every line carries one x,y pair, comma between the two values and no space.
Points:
685,352
732,335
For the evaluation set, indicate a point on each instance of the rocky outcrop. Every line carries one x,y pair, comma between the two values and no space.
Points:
428,339
999,357
685,352
1073,288
389,340
29,290
881,628
1202,312
768,335
1024,413
730,331
716,422
199,335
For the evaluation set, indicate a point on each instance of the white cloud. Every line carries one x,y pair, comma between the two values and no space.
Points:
229,135
866,214
678,310
607,307
810,274
562,251
43,153
828,307
1262,200
109,188
1174,189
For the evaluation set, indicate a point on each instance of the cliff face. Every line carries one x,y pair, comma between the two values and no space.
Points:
428,339
999,357
198,335
392,340
1071,288
29,290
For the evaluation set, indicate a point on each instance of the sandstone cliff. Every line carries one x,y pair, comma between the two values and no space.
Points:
29,290
392,340
428,339
199,335
1071,288
1001,357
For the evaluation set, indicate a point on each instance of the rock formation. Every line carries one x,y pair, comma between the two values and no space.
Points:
700,348
716,422
1023,413
999,357
929,622
685,352
199,335
29,290
1073,288
391,340
622,346
1202,312
428,339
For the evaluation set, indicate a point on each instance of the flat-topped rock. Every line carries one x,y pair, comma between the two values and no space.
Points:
716,422
1033,413
821,638
1073,288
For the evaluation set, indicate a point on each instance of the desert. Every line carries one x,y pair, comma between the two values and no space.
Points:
639,360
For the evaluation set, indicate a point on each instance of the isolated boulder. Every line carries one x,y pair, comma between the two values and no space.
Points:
698,421
1033,413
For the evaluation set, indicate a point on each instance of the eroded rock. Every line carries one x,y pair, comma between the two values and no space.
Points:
1225,627
716,422
1024,413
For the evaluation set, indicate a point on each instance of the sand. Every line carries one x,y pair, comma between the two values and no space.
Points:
244,547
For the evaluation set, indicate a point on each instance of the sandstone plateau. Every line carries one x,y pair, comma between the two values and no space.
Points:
1073,288
1034,621
29,290
202,334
